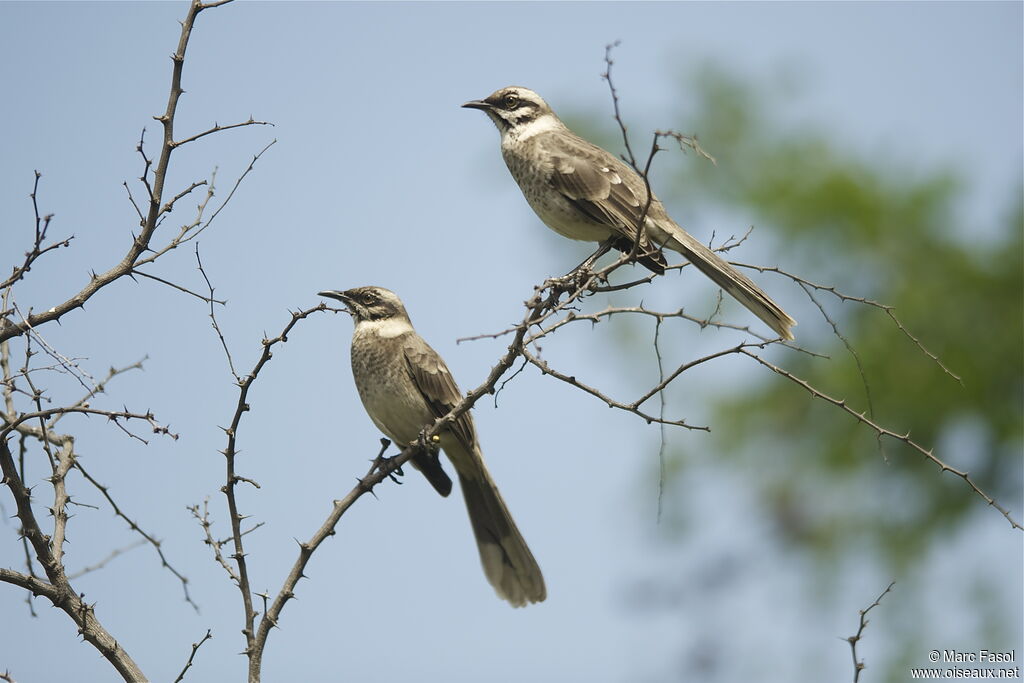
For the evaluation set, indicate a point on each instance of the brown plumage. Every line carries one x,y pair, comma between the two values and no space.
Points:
405,386
585,193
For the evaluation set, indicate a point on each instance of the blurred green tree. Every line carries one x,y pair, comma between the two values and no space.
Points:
875,229
883,229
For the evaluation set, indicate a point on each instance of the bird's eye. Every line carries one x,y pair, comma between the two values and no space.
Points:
511,101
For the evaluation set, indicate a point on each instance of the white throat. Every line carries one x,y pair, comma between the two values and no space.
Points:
541,124
387,328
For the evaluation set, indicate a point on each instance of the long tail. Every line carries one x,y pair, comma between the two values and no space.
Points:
430,466
508,563
735,283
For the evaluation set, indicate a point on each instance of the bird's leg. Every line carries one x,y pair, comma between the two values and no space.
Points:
602,249
381,461
394,474
577,277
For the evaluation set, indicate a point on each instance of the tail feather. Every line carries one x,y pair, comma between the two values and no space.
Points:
735,283
430,466
507,561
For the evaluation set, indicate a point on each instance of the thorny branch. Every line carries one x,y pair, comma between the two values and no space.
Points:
57,588
883,431
230,453
889,310
146,537
153,178
554,304
111,556
191,657
37,249
38,422
858,665
690,142
204,521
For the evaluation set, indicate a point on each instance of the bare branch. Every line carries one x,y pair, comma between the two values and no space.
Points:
155,191
199,224
204,522
213,318
612,403
146,538
882,431
58,589
890,310
99,388
218,128
169,206
607,76
68,364
858,665
112,415
686,142
37,250
661,416
184,290
195,649
230,453
853,353
114,554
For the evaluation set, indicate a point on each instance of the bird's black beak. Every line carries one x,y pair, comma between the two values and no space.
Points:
483,105
343,297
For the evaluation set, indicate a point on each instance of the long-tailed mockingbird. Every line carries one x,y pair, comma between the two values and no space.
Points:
405,386
583,192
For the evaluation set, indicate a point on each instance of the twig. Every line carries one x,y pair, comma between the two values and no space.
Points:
195,649
99,388
68,364
112,415
155,190
58,588
854,354
661,415
858,665
184,290
218,128
213,318
882,431
204,522
230,453
41,225
146,538
831,289
612,403
116,552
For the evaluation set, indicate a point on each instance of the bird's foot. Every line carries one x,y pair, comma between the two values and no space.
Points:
393,473
428,445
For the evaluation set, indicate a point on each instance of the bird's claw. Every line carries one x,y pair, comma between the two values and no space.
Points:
384,465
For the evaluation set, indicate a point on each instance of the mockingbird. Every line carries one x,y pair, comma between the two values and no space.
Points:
585,193
405,386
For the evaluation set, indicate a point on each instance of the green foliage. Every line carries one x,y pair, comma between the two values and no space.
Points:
875,228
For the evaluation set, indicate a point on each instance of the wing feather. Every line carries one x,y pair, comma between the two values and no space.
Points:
435,382
601,194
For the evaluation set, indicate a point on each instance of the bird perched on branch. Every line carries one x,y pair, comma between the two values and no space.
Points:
405,386
585,193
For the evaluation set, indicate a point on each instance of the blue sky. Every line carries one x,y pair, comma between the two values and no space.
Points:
378,177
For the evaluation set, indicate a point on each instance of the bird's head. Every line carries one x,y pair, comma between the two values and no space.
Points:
370,303
514,109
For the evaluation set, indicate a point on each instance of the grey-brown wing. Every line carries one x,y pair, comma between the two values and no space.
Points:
599,191
435,382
